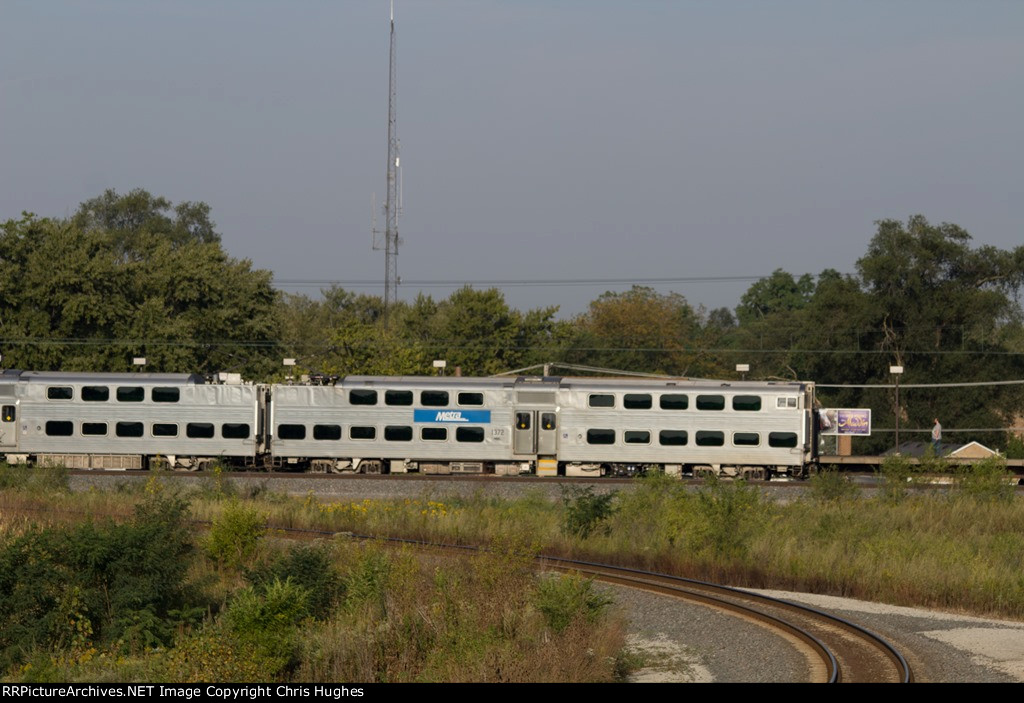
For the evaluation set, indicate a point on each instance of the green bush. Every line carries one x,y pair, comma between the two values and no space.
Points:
586,513
235,535
729,514
308,566
896,473
987,479
832,486
564,599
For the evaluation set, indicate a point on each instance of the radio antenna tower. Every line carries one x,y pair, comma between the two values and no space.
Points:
392,203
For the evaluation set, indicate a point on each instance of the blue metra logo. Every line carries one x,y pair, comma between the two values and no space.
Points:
452,416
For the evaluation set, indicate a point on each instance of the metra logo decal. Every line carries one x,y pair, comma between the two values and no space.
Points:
451,416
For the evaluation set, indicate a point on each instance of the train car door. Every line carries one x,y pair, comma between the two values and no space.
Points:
535,432
8,422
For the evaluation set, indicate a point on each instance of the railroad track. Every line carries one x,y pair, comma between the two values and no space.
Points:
836,650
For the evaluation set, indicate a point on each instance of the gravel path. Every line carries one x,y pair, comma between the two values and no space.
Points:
683,642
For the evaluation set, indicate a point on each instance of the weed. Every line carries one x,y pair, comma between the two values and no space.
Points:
235,535
586,512
832,486
987,479
564,599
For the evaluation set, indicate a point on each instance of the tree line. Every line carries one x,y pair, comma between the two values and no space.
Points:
135,275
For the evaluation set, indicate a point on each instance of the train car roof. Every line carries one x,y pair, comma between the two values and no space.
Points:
140,378
578,382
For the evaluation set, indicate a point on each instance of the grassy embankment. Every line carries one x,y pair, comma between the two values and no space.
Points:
141,597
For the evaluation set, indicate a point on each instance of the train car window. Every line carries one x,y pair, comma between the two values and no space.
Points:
8,413
674,401
357,432
471,398
398,397
166,395
204,430
291,432
59,428
131,394
434,434
165,429
362,397
636,401
522,421
746,439
602,400
786,403
94,429
60,393
327,432
782,439
710,438
434,399
95,393
128,429
711,402
637,437
746,403
547,421
469,434
600,436
673,438
398,433
240,430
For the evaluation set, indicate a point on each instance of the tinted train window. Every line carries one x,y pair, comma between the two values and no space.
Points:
602,401
290,432
362,432
165,429
327,432
398,433
469,434
746,402
8,413
60,393
471,398
204,430
547,421
362,397
95,393
166,395
782,439
637,437
128,429
746,439
711,402
710,438
94,429
398,397
522,421
434,399
59,428
600,436
636,401
238,430
672,438
434,434
131,394
672,401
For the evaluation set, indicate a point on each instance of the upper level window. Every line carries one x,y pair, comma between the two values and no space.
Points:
674,401
360,396
711,402
471,398
602,400
398,397
60,393
131,394
434,399
166,395
95,393
636,401
746,402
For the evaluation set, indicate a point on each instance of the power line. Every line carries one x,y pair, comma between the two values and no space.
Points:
511,282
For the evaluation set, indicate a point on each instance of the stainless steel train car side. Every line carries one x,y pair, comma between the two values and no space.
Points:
123,421
397,424
627,426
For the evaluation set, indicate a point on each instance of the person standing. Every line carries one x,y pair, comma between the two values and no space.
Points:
936,436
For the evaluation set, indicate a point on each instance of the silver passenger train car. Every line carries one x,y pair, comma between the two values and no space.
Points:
548,426
129,420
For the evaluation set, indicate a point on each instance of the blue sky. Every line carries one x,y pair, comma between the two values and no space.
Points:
540,140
